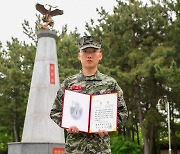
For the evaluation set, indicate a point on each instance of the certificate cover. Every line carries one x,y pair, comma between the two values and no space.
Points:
90,113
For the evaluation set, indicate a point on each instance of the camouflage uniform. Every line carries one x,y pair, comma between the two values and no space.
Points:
83,143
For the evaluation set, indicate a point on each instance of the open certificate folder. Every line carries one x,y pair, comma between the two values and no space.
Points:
90,113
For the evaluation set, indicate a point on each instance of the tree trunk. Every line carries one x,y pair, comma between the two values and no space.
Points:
152,141
137,100
128,133
133,134
145,138
137,134
15,128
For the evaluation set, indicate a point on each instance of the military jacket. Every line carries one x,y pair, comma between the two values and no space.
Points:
83,143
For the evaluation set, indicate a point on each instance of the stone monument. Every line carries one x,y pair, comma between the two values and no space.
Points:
40,134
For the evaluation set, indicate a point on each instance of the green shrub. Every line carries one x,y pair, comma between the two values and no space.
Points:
119,145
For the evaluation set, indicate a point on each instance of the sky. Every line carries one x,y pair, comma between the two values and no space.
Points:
76,14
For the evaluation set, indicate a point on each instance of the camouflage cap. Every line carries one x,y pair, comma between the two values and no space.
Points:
89,42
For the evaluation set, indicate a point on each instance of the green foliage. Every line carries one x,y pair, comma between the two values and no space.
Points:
67,51
4,139
119,145
140,52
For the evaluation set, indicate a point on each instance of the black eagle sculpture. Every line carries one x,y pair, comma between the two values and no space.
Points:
47,15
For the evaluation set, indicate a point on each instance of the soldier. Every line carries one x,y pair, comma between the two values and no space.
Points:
90,81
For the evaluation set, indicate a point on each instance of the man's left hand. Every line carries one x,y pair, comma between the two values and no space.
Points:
102,133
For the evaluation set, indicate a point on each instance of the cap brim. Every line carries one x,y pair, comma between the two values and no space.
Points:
89,46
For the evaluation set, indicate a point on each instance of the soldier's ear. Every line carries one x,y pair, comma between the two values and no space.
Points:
79,56
100,55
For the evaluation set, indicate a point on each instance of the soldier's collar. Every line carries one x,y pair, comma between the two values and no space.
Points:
95,77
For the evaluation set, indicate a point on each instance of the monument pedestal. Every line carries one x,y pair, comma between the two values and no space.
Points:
35,148
41,134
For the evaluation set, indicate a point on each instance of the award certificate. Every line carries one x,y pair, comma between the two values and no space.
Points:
90,113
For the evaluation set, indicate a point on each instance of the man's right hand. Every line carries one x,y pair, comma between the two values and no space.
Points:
73,129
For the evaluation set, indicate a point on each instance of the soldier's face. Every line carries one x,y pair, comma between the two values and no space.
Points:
90,57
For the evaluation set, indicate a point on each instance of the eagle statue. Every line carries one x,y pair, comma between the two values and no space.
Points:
47,15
